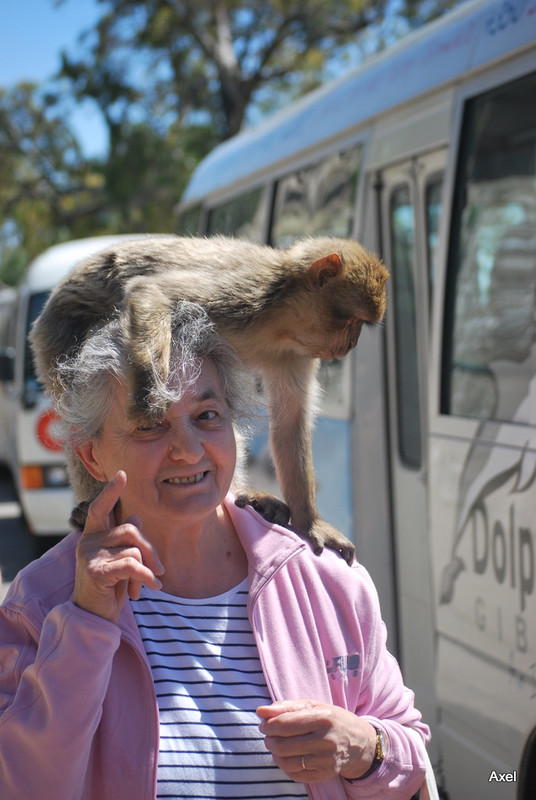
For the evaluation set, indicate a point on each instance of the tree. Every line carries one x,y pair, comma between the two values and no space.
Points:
147,171
214,57
48,190
220,58
171,78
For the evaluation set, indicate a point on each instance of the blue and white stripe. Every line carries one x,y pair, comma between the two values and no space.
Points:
208,680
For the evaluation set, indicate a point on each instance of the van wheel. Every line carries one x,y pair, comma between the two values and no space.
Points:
527,783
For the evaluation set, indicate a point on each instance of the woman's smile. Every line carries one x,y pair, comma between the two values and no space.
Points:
186,481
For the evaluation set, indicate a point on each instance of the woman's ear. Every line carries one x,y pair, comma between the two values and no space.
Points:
86,454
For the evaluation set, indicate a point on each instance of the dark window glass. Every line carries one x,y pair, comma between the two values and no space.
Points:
490,347
243,216
318,200
402,228
189,222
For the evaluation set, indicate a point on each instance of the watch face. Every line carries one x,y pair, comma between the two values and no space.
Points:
380,745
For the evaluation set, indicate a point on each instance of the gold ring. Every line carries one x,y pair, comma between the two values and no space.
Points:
303,764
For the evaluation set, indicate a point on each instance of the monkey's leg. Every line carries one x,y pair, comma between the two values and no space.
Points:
147,324
267,505
292,390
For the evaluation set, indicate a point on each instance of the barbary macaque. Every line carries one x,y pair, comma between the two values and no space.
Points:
281,310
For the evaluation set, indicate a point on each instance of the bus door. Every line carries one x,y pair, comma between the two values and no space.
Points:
410,194
482,447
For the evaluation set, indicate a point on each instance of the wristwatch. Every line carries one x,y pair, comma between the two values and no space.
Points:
379,755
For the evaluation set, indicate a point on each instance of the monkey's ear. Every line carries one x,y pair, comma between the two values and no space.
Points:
322,271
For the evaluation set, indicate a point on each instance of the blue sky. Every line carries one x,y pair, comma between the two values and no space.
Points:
32,35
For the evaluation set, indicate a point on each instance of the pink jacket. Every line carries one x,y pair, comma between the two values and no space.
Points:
78,713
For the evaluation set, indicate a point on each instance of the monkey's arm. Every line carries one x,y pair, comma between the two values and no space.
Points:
291,388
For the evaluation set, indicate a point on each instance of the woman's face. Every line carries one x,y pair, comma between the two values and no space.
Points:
178,470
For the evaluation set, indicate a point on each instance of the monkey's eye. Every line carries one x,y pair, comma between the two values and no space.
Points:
341,315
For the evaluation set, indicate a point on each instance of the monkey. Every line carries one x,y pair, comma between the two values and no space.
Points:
281,310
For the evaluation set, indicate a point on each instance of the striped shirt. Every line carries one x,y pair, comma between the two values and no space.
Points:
209,681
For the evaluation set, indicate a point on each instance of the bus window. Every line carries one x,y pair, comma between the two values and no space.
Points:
31,385
432,198
243,216
402,228
189,222
490,358
318,200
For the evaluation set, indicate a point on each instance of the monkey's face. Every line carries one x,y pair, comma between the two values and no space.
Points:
333,322
336,338
345,338
322,335
343,296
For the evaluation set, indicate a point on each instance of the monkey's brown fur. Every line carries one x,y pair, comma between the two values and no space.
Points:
280,309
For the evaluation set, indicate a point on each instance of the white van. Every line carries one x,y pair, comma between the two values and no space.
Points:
29,438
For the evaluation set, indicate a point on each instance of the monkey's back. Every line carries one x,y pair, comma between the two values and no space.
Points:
234,280
240,284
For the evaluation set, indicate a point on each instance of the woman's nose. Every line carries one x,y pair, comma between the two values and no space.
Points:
185,443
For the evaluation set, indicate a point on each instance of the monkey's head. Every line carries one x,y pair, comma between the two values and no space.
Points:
346,289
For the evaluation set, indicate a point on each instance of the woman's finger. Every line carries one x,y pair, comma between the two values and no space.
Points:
101,520
100,515
113,560
125,564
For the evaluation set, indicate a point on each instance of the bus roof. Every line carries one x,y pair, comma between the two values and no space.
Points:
470,36
53,264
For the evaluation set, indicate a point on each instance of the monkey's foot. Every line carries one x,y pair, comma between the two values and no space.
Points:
79,515
267,505
321,534
144,404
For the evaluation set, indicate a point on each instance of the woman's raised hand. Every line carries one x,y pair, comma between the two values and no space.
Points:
113,561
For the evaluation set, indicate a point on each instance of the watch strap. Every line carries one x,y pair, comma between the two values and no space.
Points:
379,755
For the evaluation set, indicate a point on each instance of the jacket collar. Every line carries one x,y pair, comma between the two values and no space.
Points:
268,547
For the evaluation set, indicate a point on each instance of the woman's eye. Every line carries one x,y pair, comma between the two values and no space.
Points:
208,415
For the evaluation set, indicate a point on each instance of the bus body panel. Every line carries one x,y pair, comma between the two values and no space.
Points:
482,516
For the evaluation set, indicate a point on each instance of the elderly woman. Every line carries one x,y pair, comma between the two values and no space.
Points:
182,647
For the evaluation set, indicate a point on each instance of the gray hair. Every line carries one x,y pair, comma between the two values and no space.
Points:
87,379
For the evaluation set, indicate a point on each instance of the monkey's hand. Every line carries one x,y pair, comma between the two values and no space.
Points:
321,534
267,505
